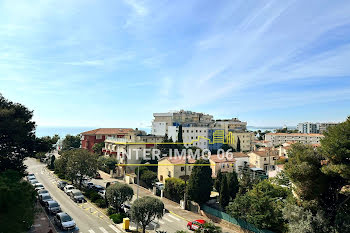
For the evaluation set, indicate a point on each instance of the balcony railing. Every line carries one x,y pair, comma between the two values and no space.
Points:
115,139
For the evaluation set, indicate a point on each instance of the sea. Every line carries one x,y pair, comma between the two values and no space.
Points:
63,131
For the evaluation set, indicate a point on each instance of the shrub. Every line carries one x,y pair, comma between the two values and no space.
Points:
94,196
101,203
148,177
117,218
111,211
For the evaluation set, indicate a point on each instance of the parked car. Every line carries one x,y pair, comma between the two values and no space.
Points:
102,193
38,186
97,187
33,182
61,184
76,195
42,191
64,221
195,224
52,207
31,176
159,185
68,188
88,184
44,198
126,208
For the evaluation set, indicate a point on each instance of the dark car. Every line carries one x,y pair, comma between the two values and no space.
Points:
98,176
52,207
42,191
44,198
64,221
31,176
61,184
97,188
76,195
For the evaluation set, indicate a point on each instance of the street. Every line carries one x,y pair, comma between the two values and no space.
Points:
87,217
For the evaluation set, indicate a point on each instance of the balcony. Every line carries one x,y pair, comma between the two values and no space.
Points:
117,140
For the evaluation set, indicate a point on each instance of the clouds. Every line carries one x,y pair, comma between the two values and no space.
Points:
194,54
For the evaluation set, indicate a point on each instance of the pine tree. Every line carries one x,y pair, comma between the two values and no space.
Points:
233,184
217,183
179,135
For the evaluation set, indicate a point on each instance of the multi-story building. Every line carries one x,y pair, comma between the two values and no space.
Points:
162,121
246,140
308,127
280,138
230,124
265,160
89,138
191,136
228,162
324,126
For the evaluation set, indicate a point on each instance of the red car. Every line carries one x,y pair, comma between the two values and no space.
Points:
195,224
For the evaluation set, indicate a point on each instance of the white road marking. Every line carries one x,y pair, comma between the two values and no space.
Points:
103,230
160,221
173,217
91,231
114,228
166,219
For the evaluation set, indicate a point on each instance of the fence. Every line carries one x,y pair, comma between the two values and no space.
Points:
241,223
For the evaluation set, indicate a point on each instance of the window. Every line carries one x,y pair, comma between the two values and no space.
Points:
98,136
191,137
196,131
182,169
169,173
264,159
188,131
161,178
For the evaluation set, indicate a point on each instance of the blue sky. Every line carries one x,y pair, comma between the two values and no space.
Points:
114,63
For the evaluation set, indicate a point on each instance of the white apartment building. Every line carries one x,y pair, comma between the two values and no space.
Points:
309,127
280,138
192,136
161,122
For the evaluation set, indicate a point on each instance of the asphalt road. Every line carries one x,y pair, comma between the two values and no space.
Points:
88,218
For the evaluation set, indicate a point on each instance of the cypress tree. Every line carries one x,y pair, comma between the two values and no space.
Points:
224,193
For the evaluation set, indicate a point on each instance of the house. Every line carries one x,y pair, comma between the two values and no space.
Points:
90,138
264,159
174,167
223,162
274,173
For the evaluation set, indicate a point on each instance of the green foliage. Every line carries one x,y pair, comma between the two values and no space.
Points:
97,147
233,184
167,145
224,192
149,177
200,183
144,210
303,220
179,135
111,211
52,162
71,142
261,206
247,181
336,149
47,143
17,199
101,203
218,181
209,227
117,218
117,194
107,164
174,188
304,170
17,138
182,231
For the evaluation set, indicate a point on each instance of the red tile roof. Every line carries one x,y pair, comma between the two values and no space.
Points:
222,159
178,160
297,134
110,131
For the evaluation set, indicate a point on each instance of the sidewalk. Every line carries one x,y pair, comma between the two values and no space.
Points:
173,207
41,222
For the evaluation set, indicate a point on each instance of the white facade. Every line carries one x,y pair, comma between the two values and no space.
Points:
308,127
280,138
189,135
159,128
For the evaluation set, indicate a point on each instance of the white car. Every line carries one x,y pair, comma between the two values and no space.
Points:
68,188
159,185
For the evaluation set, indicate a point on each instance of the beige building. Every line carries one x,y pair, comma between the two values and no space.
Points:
233,124
222,162
280,138
173,167
246,139
265,159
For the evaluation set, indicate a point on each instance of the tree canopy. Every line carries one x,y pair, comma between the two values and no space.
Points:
117,194
200,183
144,210
71,142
